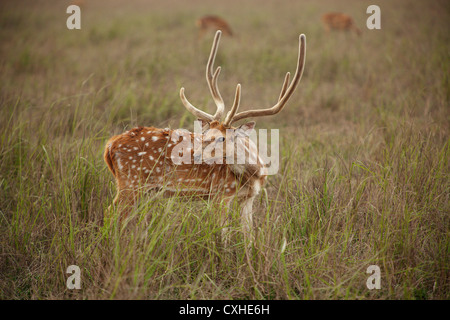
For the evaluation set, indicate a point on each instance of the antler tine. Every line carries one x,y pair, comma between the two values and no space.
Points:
198,113
235,107
284,86
285,93
212,83
212,78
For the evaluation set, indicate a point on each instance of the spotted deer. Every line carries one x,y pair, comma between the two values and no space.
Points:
148,158
212,23
339,21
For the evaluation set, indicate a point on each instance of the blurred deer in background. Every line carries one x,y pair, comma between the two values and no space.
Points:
339,21
147,158
79,3
212,23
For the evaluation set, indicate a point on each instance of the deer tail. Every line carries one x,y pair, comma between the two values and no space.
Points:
108,158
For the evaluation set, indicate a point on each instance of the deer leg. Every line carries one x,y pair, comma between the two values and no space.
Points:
247,219
124,200
224,220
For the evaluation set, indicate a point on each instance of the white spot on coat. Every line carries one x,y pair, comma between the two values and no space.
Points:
119,164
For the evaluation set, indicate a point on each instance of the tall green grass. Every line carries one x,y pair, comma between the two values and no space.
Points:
364,174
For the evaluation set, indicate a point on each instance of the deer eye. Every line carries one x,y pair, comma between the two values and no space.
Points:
221,139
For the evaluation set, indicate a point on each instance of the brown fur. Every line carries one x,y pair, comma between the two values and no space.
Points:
213,23
339,21
140,159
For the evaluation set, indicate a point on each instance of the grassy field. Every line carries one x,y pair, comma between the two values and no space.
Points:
364,177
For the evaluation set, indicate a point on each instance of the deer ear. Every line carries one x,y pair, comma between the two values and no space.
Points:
246,129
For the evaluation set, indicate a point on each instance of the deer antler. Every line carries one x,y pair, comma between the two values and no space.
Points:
211,78
234,108
286,92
